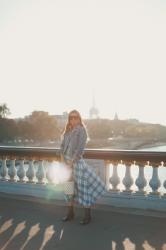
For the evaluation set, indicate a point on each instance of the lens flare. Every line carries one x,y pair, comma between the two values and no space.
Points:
59,172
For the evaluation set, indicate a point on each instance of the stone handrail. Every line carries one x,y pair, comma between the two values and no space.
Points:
130,187
103,154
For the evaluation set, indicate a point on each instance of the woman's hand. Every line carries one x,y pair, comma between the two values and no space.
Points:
62,158
69,163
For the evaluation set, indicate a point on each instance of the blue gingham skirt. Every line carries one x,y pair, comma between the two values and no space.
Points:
87,185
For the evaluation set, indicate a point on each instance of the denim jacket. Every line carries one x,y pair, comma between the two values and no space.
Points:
73,143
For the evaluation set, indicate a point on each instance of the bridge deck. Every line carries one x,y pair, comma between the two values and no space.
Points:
31,225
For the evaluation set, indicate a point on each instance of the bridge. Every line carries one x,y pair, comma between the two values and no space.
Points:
131,214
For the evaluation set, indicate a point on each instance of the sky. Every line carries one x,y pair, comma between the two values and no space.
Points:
55,55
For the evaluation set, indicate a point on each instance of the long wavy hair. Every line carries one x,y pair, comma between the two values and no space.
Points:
68,126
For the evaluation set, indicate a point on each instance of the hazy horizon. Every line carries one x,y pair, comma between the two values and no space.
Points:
57,54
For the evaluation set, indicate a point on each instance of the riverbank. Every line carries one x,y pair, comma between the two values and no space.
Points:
125,144
118,144
150,145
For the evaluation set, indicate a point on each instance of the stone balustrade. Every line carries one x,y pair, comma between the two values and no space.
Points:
134,179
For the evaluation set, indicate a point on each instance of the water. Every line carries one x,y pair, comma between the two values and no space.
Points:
159,148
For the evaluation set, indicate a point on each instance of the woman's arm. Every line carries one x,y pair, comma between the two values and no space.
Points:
61,149
79,143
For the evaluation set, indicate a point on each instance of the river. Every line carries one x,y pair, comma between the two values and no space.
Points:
159,148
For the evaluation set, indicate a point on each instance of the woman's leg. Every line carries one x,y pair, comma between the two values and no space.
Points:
87,216
70,210
70,201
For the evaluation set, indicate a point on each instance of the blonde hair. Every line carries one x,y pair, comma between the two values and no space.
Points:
68,126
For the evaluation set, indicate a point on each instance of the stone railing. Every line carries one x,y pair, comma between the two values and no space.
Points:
134,179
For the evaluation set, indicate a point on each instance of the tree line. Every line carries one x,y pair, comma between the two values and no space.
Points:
105,128
40,127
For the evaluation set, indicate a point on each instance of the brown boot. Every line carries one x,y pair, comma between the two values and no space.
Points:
87,216
70,214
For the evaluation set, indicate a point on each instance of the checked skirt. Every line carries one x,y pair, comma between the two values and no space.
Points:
87,185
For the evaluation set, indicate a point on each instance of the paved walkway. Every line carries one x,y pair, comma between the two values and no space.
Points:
35,226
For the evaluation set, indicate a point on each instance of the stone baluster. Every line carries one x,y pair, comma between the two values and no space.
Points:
115,180
154,182
30,173
21,171
12,170
40,174
4,170
48,172
141,181
128,180
164,184
107,174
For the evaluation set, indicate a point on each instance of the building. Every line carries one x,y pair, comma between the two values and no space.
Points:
61,119
93,112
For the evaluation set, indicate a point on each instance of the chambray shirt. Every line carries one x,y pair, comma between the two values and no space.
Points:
73,143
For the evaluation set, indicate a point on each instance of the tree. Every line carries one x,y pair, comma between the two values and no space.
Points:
4,110
99,128
24,129
8,129
43,127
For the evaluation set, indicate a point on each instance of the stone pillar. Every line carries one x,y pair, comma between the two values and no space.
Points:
12,170
40,174
4,170
21,171
115,180
155,181
30,173
128,180
141,181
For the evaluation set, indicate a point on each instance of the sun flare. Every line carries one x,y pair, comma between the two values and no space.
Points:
58,172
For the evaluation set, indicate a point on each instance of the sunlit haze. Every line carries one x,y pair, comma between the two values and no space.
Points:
58,172
56,54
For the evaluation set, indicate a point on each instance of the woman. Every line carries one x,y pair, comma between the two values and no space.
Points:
87,185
